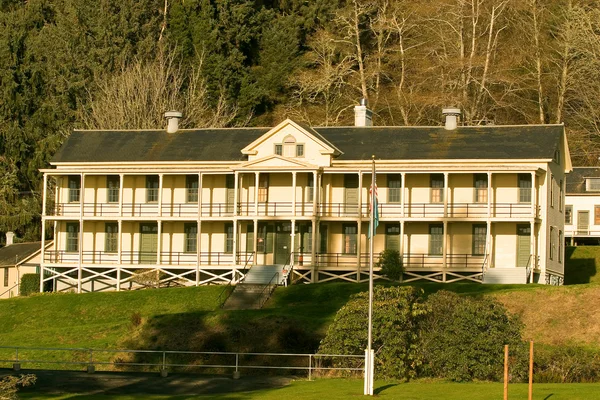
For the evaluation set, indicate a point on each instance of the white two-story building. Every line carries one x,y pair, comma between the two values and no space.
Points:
582,206
198,206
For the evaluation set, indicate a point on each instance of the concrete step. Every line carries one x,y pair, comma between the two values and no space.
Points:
262,274
246,297
505,275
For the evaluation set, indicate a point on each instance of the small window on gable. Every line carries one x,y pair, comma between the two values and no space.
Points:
279,149
299,150
592,184
289,146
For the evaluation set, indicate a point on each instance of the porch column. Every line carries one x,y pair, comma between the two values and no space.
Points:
235,240
121,186
255,244
488,243
359,227
532,244
313,253
119,252
256,182
43,249
445,197
294,194
403,193
199,196
402,244
80,238
293,241
445,251
314,197
198,246
236,195
159,243
533,197
160,195
489,195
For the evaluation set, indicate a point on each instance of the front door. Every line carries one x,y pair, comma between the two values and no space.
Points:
583,222
523,245
148,243
282,242
350,194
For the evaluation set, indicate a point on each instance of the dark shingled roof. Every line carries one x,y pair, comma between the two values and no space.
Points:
13,254
576,179
387,143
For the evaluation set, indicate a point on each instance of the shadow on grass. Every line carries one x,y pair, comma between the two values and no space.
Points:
580,265
382,388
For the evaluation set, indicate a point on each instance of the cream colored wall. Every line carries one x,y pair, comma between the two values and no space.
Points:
418,188
312,149
460,188
505,245
583,203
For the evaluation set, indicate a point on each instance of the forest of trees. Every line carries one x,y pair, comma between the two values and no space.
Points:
111,64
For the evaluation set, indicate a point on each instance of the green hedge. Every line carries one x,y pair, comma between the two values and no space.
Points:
30,283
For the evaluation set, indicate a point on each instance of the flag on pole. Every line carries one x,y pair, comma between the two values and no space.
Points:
374,221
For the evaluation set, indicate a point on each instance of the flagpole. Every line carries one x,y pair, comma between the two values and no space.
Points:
369,356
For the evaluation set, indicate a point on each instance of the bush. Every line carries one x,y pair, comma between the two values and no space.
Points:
463,338
10,385
30,283
397,312
391,264
566,364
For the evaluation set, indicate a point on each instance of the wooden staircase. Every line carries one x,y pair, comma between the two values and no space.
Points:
256,288
505,275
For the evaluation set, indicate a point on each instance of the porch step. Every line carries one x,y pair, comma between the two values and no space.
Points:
245,296
505,275
262,274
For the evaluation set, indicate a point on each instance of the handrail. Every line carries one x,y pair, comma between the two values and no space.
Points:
244,273
289,262
529,269
9,289
260,299
235,359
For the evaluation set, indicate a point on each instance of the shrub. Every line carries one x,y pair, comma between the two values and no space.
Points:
397,312
463,338
391,264
10,384
566,364
30,283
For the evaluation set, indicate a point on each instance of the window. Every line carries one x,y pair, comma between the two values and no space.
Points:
561,196
323,239
392,237
113,183
264,240
349,238
303,238
568,215
592,184
74,188
310,187
394,188
436,239
596,215
560,246
524,188
263,188
191,237
552,243
72,237
552,183
279,149
299,150
437,188
481,188
191,185
479,239
6,276
151,188
111,237
289,146
228,237
249,238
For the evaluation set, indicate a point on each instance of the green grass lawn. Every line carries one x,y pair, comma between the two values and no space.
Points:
341,389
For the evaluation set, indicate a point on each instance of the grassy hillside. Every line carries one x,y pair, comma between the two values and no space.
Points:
294,320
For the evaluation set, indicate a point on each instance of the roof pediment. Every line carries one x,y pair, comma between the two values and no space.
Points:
275,162
303,134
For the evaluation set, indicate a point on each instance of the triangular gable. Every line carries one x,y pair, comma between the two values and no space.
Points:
276,162
327,147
